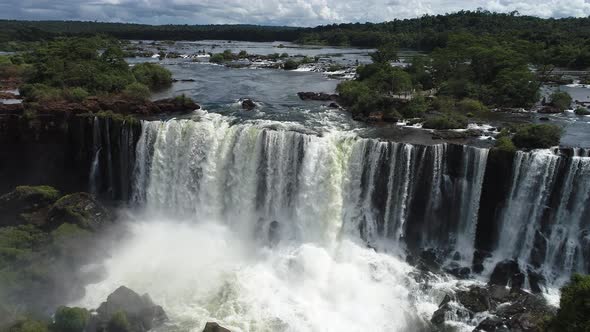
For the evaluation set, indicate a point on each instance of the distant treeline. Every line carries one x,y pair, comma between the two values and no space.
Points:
564,42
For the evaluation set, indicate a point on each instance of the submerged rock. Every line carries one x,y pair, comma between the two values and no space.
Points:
320,96
248,104
214,327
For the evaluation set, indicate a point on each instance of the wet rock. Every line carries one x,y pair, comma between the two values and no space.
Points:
536,281
476,299
141,313
320,96
429,260
274,233
375,116
214,327
333,105
80,209
449,312
492,324
460,272
507,273
479,256
248,104
451,134
549,110
26,204
544,118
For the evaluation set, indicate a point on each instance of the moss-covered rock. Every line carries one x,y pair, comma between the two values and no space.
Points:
25,204
80,209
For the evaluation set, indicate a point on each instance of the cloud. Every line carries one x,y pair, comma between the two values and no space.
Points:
272,12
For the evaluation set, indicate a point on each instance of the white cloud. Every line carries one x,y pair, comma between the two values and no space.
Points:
275,12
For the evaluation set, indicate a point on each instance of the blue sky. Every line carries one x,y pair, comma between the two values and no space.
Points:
271,12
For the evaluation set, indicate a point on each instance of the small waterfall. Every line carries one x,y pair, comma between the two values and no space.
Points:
96,147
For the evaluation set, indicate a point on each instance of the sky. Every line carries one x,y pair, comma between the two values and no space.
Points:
272,12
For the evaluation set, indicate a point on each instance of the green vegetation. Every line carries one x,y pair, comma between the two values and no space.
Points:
504,143
574,307
119,323
537,136
70,319
291,65
442,122
29,325
137,91
561,100
152,75
582,111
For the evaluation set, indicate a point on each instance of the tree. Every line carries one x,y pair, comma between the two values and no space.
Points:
574,306
385,54
70,319
561,100
152,75
537,136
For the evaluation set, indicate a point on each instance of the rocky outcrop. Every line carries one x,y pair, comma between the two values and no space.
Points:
125,307
26,204
508,310
80,209
319,96
116,104
507,273
248,104
214,327
549,110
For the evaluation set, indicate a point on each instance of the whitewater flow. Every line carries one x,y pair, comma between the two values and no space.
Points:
263,227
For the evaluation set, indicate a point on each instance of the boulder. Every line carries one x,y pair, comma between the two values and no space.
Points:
80,209
320,96
333,105
492,324
449,311
376,116
214,327
476,299
549,110
140,312
26,204
507,273
248,104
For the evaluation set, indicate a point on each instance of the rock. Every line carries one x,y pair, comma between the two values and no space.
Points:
141,313
430,260
391,117
476,299
26,204
274,233
376,116
536,281
549,110
214,327
507,273
8,95
492,324
448,311
544,118
460,272
320,96
80,209
248,104
333,105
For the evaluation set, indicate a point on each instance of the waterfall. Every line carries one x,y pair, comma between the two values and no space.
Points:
96,147
390,194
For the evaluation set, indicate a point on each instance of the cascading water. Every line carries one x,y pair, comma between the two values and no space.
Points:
271,225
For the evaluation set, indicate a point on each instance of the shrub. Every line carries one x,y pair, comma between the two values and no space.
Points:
574,307
471,106
119,323
537,136
217,58
561,100
351,91
284,55
152,75
137,91
446,122
76,94
40,92
242,54
28,326
335,67
291,65
504,143
70,319
582,111
415,108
